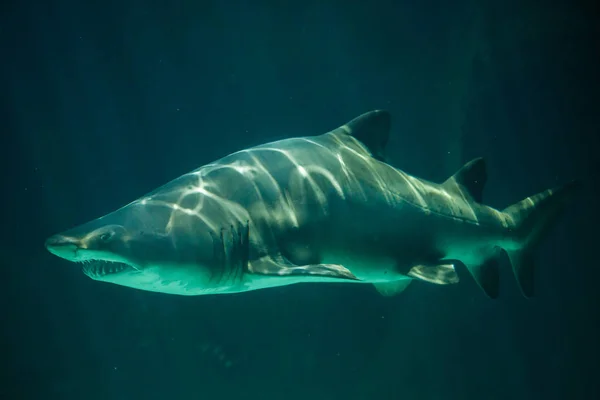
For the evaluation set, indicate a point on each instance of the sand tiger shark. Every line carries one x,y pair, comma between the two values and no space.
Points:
324,208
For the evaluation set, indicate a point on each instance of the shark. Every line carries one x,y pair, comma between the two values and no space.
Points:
321,208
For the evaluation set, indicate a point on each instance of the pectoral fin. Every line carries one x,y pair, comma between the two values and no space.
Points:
284,268
442,274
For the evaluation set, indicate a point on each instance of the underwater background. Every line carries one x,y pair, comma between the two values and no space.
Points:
103,101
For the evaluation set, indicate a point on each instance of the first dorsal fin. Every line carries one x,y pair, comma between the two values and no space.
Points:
470,179
372,129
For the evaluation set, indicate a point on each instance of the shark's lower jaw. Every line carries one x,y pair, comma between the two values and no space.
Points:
98,269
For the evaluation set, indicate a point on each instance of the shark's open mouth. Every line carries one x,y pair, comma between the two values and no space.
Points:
100,268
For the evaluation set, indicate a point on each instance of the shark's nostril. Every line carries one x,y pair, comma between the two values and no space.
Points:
62,246
57,241
52,241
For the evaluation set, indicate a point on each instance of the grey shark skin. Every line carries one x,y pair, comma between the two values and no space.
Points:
324,208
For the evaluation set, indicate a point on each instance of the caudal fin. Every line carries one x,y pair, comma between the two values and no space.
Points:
532,219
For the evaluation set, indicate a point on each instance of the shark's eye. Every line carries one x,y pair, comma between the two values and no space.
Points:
105,237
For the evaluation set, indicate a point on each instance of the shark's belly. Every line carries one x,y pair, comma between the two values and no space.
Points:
377,240
366,267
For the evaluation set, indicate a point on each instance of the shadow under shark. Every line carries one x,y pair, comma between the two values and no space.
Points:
324,208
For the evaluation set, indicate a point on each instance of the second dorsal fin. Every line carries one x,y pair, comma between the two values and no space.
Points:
470,179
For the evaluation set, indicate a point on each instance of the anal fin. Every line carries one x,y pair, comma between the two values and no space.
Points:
487,276
442,274
524,267
389,289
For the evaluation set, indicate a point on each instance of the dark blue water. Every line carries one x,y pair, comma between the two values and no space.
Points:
104,101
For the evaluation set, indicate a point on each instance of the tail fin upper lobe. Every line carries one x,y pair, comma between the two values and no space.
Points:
532,219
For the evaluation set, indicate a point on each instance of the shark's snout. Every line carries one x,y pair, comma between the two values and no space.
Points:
62,246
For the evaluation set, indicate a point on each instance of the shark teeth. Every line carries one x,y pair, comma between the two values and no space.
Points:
100,268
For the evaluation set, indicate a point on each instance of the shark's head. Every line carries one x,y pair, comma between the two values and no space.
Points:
140,246
105,253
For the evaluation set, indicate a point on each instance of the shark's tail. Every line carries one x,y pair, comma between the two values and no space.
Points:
531,219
